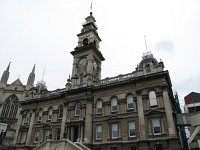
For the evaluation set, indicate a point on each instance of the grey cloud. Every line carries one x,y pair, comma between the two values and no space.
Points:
165,46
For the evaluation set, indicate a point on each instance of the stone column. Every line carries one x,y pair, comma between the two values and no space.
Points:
18,126
63,122
168,111
141,115
88,123
28,140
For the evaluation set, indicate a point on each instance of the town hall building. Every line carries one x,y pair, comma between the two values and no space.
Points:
133,111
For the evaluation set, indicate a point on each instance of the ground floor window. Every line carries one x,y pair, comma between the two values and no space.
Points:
58,134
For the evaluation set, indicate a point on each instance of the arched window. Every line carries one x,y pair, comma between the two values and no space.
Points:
10,107
85,41
152,99
60,111
99,107
130,103
40,114
77,109
113,104
147,68
50,113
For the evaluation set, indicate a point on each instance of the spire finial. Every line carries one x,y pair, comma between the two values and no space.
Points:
91,7
145,43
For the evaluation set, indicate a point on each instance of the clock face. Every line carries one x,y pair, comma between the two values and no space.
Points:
83,62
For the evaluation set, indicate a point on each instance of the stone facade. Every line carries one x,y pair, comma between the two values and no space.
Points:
134,111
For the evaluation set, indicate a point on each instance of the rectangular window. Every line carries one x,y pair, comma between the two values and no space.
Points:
36,137
156,126
58,134
115,131
131,129
98,131
47,133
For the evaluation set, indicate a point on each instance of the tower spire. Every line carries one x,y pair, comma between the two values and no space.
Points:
31,77
5,76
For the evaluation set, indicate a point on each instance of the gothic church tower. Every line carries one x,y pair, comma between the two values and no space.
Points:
87,57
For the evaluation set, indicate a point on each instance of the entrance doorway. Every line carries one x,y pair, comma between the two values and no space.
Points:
74,133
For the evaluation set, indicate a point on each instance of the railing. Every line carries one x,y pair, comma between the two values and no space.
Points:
63,144
82,146
47,94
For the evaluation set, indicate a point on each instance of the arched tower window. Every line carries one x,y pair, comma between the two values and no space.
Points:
152,99
50,113
10,107
147,68
77,109
99,107
85,41
60,111
113,104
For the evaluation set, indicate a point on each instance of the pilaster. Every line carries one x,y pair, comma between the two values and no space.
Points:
141,115
63,122
28,140
18,126
168,111
88,123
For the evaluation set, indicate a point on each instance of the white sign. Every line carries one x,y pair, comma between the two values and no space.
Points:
3,127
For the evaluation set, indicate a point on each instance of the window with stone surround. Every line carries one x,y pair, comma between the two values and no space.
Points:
10,107
114,104
152,99
47,134
99,107
156,126
28,118
36,136
131,129
40,113
50,113
98,132
77,109
130,102
115,130
60,111
58,131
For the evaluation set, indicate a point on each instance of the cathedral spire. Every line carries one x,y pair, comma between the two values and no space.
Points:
5,76
31,77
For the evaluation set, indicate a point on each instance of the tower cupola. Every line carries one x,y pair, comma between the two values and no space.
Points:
87,57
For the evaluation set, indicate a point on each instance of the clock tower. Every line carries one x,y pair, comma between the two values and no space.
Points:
87,57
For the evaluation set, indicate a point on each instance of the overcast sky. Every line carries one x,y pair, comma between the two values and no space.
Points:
43,32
